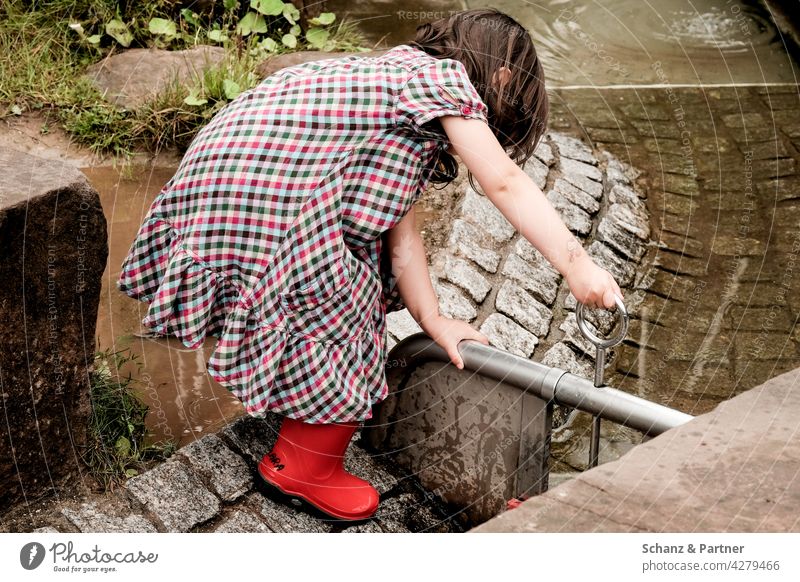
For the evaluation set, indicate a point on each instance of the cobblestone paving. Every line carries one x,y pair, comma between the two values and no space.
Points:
486,273
208,486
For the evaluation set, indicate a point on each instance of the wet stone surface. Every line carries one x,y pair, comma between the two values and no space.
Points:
209,486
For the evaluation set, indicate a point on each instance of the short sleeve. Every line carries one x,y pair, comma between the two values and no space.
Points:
436,89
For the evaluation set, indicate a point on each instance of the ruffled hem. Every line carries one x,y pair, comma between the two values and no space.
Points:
332,373
274,369
188,298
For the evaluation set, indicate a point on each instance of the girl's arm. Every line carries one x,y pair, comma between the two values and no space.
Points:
528,210
410,267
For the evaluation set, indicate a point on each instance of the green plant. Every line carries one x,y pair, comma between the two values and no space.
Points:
117,447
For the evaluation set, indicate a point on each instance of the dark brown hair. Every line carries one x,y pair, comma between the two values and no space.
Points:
484,40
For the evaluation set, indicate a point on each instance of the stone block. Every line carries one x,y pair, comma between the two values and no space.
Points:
621,269
53,243
542,282
281,518
401,324
175,495
576,219
515,302
90,518
545,153
470,241
461,273
508,335
573,167
537,171
572,148
227,473
624,231
242,521
452,303
561,356
479,210
594,189
575,195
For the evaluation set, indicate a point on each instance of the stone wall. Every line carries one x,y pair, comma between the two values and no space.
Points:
54,246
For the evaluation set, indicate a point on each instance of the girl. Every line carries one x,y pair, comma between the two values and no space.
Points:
288,230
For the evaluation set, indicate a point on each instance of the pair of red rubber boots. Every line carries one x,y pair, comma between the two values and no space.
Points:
307,462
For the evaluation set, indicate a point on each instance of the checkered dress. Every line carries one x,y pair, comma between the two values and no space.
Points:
270,234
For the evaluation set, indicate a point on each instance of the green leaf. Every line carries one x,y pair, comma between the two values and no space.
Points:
267,7
194,99
217,35
251,22
77,27
230,4
289,40
317,37
295,30
190,16
291,13
16,110
123,446
324,19
269,44
117,30
131,472
231,89
163,27
94,39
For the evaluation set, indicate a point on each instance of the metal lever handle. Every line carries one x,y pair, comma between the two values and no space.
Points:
599,342
599,364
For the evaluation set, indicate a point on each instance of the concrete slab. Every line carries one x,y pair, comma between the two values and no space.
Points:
734,469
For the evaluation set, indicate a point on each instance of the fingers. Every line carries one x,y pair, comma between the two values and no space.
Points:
455,357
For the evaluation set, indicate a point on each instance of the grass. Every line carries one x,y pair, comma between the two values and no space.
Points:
43,61
118,446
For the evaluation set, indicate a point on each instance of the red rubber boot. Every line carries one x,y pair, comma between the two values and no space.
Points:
306,461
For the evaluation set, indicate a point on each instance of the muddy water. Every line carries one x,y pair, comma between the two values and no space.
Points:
185,401
615,42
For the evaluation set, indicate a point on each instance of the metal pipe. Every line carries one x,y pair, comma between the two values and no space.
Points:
543,381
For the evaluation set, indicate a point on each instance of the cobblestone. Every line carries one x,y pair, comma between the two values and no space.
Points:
576,219
624,231
242,521
226,471
592,188
572,167
543,283
569,192
561,356
545,153
90,518
175,495
468,240
507,335
537,171
401,324
621,269
460,273
480,210
572,148
453,304
513,301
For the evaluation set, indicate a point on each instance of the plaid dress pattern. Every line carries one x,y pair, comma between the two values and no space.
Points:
270,235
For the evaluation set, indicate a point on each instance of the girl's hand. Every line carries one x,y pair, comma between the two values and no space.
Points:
591,285
448,332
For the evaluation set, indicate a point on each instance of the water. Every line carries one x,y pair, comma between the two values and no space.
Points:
612,42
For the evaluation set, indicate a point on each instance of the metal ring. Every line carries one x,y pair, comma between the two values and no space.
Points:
599,342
